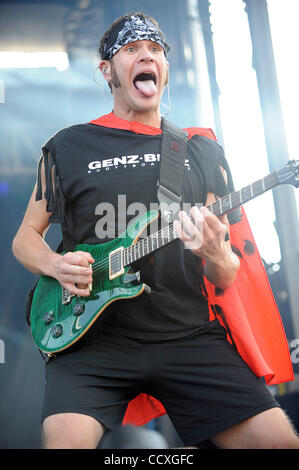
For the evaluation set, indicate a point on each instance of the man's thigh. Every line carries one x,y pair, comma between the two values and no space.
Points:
96,379
270,429
205,386
71,431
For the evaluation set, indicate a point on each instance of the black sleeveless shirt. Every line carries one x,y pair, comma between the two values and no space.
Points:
97,171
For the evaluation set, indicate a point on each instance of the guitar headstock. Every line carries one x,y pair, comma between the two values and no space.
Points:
289,174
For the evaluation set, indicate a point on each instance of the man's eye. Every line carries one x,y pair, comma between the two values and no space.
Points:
130,49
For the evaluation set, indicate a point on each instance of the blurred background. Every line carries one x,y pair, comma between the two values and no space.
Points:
233,68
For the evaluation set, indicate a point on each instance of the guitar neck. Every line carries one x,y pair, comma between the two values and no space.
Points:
222,206
235,199
149,244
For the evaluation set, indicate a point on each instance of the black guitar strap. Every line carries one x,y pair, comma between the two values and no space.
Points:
172,160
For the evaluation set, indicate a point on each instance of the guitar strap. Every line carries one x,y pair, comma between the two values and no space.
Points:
171,175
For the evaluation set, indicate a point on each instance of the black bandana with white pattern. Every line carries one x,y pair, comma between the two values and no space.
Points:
130,30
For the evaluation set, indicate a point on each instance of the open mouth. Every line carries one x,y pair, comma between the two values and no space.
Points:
145,83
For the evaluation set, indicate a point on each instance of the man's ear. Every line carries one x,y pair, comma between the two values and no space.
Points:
105,69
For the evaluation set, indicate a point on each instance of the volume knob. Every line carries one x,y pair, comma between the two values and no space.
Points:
78,308
56,331
48,317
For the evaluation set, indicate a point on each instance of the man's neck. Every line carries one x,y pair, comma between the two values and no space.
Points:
147,118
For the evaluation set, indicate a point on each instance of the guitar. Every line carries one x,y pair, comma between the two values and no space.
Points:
58,318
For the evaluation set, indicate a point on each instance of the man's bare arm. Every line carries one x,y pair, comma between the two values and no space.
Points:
29,247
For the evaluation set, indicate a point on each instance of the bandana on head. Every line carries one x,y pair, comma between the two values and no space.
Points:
130,30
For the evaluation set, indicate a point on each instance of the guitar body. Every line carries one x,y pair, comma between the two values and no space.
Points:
56,324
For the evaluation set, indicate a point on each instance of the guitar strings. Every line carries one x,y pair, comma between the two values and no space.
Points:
144,243
218,208
141,244
215,208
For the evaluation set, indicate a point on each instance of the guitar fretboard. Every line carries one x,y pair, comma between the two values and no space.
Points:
226,204
237,198
149,244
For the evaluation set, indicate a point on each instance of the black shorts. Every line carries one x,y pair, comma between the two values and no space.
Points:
201,381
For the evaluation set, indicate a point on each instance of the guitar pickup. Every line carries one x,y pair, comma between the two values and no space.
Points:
116,264
66,296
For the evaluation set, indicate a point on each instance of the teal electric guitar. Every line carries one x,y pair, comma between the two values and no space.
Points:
58,319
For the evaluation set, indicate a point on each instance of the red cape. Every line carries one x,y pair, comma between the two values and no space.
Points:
247,309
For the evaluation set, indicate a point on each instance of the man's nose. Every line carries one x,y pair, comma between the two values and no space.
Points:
145,54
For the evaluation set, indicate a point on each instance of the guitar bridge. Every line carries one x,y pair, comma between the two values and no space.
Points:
116,265
66,296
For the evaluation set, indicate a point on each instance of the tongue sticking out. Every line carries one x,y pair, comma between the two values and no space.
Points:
146,87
